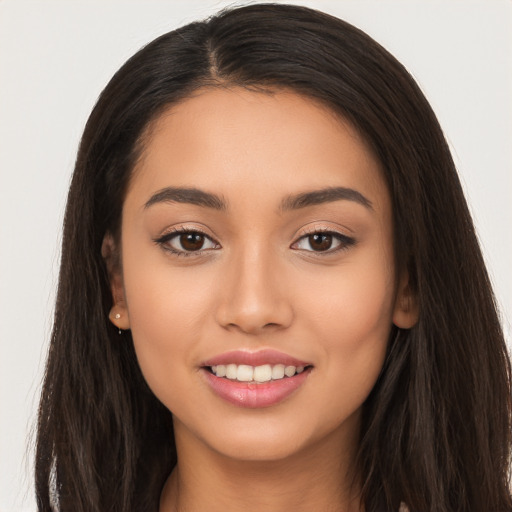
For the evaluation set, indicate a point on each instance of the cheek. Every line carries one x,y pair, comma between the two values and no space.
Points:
361,310
166,310
353,322
355,300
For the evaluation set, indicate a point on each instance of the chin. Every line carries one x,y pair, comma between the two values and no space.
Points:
268,440
260,449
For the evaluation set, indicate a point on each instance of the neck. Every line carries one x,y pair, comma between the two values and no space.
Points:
318,478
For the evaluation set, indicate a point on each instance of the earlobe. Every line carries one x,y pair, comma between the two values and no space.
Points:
119,312
119,317
406,312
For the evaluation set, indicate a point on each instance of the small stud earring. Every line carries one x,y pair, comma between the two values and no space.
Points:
118,316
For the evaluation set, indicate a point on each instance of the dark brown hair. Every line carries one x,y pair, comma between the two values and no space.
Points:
436,427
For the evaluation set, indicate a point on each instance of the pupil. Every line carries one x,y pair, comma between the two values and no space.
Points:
320,242
192,241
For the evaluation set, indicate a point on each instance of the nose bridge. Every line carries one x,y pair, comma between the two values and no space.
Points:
254,299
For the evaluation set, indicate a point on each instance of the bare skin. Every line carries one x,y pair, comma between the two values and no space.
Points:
275,486
256,267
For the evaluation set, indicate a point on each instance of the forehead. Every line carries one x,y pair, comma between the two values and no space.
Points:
267,143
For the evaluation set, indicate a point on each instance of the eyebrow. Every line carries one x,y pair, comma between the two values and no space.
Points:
325,195
187,195
199,197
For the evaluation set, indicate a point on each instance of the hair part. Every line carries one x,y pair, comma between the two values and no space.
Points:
436,427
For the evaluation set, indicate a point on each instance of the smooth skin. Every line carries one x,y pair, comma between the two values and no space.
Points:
256,278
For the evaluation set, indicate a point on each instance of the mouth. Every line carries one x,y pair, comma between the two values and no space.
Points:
256,374
255,379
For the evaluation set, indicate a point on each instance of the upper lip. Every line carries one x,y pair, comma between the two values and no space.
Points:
257,358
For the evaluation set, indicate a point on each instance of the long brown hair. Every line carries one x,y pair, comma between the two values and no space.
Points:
436,427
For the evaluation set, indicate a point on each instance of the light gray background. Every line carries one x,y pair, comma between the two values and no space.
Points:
56,56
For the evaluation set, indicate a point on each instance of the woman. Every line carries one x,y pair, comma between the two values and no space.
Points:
271,293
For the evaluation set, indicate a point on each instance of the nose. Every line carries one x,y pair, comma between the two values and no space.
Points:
253,295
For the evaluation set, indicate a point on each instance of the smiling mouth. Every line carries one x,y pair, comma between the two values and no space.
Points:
255,374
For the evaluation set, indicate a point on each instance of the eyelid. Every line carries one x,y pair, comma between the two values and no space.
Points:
345,241
168,234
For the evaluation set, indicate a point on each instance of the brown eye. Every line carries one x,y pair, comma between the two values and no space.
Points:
320,241
185,243
192,241
324,242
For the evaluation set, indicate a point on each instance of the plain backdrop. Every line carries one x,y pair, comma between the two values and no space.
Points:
56,56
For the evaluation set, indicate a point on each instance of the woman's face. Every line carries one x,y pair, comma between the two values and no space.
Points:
257,241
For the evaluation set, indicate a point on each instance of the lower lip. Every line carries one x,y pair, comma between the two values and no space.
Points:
245,394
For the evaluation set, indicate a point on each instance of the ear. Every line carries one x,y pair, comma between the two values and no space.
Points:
119,313
406,312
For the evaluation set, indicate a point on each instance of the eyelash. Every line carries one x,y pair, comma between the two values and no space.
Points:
164,240
344,241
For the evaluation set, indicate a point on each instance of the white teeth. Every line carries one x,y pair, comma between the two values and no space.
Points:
289,371
231,371
278,371
258,374
244,373
263,373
